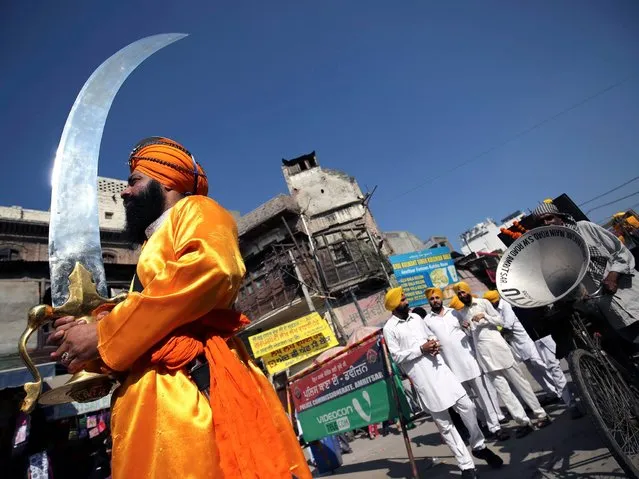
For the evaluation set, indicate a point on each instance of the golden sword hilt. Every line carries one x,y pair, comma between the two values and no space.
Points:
84,304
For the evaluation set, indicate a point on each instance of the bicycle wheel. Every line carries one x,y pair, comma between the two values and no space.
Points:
611,405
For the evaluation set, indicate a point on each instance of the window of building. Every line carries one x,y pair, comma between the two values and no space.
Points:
9,254
108,215
109,258
340,253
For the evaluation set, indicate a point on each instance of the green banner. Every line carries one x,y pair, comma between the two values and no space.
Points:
347,392
368,405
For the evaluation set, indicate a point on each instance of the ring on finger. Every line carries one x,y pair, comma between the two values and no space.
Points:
66,358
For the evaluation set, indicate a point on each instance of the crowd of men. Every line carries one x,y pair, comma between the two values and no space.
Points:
454,354
463,359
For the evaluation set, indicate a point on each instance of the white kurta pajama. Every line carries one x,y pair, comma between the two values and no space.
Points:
457,351
437,387
524,349
547,349
496,359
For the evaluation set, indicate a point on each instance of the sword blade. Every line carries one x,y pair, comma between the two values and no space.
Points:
74,233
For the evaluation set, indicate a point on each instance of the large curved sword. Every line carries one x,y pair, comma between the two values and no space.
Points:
78,282
74,234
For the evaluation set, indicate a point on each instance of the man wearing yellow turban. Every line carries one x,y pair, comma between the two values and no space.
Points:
459,356
481,321
393,298
548,375
416,350
190,403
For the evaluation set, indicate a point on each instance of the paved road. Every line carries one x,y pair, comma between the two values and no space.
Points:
567,449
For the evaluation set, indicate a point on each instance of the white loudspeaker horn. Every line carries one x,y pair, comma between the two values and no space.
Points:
542,266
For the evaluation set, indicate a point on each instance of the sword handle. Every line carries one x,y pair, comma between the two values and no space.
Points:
38,316
84,303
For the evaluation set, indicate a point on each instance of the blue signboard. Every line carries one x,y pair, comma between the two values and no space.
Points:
424,269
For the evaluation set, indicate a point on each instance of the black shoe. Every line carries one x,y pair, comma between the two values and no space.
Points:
523,431
489,456
543,422
469,474
504,421
549,400
500,435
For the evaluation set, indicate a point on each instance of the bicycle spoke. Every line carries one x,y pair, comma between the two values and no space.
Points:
612,397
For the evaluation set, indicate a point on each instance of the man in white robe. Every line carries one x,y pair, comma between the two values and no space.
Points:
496,359
407,339
458,354
611,268
553,381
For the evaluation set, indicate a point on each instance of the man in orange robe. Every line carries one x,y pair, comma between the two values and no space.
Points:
188,276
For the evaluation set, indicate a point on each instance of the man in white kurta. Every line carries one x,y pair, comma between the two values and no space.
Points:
496,359
611,268
525,350
407,339
457,351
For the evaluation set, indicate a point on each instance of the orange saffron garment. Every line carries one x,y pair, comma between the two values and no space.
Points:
162,426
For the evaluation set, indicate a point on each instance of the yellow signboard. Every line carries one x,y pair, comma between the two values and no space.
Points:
283,358
287,334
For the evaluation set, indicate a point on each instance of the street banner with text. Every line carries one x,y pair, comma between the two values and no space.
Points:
286,334
345,393
283,358
424,269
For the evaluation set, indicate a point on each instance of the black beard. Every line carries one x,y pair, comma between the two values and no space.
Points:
403,310
142,210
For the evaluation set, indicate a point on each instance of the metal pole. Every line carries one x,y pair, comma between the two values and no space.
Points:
379,254
359,309
300,252
402,424
307,297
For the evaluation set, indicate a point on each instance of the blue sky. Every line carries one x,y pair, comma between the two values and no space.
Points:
397,94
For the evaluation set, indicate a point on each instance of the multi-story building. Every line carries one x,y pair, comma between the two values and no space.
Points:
438,242
401,242
318,247
483,236
24,264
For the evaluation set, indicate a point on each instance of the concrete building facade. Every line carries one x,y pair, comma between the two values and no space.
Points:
483,236
318,247
401,242
24,267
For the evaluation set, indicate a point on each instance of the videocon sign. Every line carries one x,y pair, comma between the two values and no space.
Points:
345,393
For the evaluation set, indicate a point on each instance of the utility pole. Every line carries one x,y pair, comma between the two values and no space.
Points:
309,301
358,307
379,255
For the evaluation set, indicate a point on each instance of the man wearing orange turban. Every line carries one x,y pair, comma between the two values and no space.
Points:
496,359
415,349
190,402
458,353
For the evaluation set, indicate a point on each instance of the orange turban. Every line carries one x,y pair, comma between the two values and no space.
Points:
171,164
431,291
393,298
492,296
462,286
456,303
